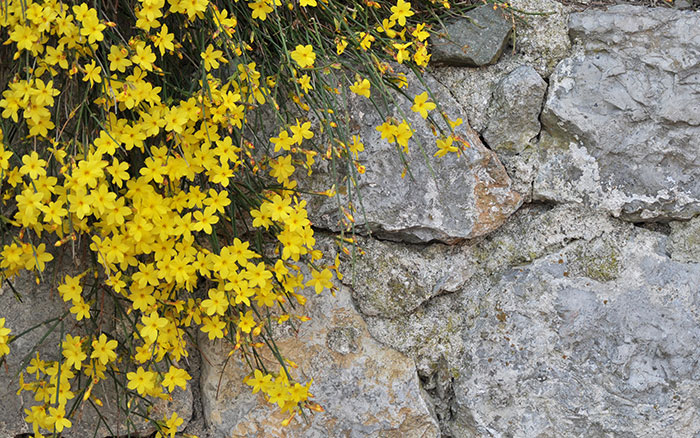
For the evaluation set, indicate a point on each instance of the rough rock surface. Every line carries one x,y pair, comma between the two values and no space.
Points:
541,39
465,197
391,279
603,346
624,117
366,389
44,303
513,125
571,324
541,42
515,111
474,41
684,241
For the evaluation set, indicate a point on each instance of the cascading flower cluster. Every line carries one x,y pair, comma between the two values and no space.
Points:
132,135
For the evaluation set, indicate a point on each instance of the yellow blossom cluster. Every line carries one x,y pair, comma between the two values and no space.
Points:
131,136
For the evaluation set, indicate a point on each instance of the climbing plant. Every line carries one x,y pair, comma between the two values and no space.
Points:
166,143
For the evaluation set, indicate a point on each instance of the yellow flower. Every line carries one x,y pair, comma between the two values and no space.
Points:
217,200
246,322
44,93
204,220
92,73
103,349
217,302
401,11
172,424
259,381
366,40
152,324
301,132
81,310
92,28
118,58
257,275
361,88
421,57
421,105
212,58
340,45
142,298
403,53
321,280
33,166
403,134
164,40
142,381
283,141
144,56
72,351
445,146
304,55
282,168
58,419
4,338
213,327
71,289
420,34
38,261
175,377
305,83
260,9
24,36
356,146
388,131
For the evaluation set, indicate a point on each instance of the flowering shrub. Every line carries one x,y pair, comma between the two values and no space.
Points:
132,134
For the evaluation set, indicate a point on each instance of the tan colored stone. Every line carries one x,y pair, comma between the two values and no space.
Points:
366,389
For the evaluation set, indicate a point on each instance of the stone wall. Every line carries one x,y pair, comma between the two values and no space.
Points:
544,284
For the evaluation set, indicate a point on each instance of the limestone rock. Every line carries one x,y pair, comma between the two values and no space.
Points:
541,42
474,41
566,315
556,351
366,389
391,279
684,241
624,116
440,198
541,39
515,110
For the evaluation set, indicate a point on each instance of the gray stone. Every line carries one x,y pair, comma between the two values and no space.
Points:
557,351
541,42
571,324
440,198
478,39
682,4
623,117
390,279
472,88
532,233
432,337
684,241
541,36
515,110
365,389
